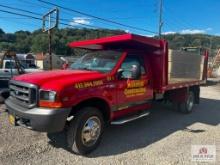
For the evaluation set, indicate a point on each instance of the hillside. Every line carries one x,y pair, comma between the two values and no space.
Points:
196,40
37,41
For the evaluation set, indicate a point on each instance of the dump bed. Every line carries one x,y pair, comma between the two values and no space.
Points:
184,66
170,69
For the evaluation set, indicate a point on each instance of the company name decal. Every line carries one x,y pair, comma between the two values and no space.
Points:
134,92
135,83
135,88
88,84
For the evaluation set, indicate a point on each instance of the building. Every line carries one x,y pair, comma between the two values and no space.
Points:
39,58
43,61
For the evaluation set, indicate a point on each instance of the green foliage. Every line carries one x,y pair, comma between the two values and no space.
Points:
194,40
37,41
176,41
7,46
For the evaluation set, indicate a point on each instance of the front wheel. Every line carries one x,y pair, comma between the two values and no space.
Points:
85,130
2,99
187,105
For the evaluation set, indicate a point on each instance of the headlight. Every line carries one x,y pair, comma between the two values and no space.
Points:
47,95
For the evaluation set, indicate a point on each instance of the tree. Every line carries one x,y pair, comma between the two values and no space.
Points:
37,41
7,46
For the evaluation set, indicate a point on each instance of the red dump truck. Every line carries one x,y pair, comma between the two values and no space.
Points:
116,82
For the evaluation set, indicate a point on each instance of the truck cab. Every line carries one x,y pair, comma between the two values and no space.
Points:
112,84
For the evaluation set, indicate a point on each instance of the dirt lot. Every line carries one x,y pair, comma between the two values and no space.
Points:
163,138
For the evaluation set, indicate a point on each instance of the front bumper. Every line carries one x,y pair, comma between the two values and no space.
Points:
38,119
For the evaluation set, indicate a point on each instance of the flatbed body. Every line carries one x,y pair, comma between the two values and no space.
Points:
114,83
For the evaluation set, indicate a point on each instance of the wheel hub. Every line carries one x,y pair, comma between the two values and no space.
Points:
91,131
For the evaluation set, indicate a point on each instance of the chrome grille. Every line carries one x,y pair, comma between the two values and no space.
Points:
24,94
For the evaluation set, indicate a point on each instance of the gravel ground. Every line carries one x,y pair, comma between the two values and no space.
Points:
163,138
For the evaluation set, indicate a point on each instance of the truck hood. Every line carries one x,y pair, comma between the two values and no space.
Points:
57,79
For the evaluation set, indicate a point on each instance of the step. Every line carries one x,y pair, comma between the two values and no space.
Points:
130,118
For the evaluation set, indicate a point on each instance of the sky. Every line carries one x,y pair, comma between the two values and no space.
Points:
179,16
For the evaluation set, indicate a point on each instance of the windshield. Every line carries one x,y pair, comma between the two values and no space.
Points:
102,61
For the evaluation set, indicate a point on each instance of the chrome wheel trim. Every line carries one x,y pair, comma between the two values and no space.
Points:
91,131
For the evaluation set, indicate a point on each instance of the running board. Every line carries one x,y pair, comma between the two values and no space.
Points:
130,118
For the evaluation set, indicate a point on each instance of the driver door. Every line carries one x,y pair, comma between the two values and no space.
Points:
133,94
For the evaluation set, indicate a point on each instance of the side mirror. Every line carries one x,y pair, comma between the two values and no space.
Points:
135,72
119,73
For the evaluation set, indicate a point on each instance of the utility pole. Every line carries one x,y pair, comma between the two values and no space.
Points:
50,21
210,46
49,40
160,18
49,49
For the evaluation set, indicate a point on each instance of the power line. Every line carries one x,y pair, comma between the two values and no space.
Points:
40,5
19,20
174,21
13,8
68,12
124,18
92,26
171,25
29,3
13,17
117,18
99,18
180,21
24,15
38,14
32,17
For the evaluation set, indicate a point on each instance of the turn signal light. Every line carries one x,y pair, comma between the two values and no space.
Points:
48,104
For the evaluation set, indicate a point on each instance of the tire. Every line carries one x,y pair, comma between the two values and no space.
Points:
187,106
84,143
2,100
4,94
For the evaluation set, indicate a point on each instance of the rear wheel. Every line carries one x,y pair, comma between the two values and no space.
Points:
187,105
85,130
